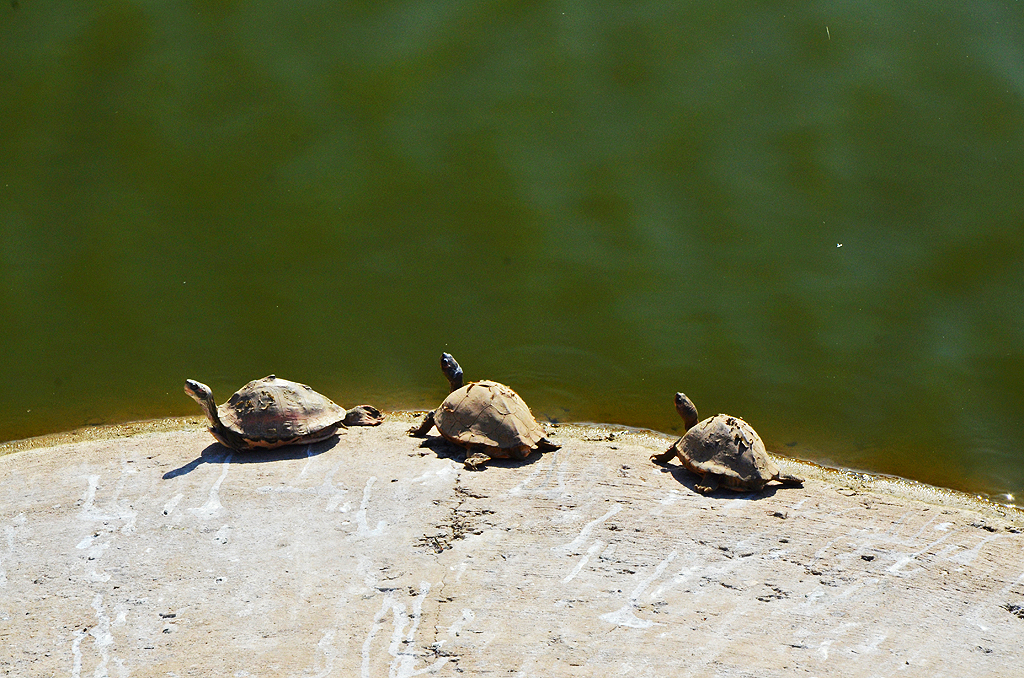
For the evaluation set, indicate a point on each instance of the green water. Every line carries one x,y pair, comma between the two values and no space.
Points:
809,215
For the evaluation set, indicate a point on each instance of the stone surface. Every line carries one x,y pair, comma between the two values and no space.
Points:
153,551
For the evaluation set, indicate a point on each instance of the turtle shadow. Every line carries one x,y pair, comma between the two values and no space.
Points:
442,448
447,450
215,453
690,480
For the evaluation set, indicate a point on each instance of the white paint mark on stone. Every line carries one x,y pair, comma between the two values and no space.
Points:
923,527
334,503
213,505
172,504
736,503
1015,582
441,474
222,534
95,552
9,532
368,570
362,529
562,490
521,487
403,662
624,616
323,664
658,571
672,497
820,553
286,489
905,559
678,579
309,460
585,532
402,666
461,571
87,512
467,616
872,647
116,510
85,543
102,637
374,628
126,513
553,484
968,556
334,493
594,548
328,489
76,654
853,588
99,576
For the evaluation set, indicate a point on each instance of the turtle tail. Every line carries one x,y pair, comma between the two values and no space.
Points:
545,445
790,480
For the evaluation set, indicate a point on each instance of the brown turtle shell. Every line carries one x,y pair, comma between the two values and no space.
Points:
489,414
272,412
729,447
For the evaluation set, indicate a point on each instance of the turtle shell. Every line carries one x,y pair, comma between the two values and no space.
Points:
729,447
490,414
271,412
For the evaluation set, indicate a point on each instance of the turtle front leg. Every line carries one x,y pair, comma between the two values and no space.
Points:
708,484
421,430
476,460
666,456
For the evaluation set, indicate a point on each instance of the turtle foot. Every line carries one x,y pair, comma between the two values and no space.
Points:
708,484
421,430
665,456
476,461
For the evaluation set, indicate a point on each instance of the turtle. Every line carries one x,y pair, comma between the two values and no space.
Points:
489,419
725,451
272,412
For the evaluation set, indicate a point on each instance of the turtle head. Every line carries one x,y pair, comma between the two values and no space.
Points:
198,391
687,410
202,394
451,371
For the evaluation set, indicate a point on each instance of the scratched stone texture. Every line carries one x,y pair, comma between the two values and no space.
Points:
162,554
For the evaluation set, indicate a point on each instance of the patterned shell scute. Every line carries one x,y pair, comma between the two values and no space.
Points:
278,409
729,447
487,413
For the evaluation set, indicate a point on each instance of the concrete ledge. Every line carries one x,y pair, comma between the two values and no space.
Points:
149,550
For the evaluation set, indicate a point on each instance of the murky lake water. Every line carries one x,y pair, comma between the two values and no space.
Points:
807,215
